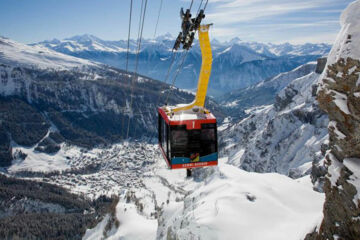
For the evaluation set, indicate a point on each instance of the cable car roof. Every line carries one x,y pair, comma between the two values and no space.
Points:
192,120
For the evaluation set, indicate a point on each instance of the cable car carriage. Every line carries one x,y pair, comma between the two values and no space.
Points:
188,139
188,133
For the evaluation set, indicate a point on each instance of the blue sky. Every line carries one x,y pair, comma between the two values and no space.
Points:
251,20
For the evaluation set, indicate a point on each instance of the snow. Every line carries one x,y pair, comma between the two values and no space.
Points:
282,141
334,170
219,202
340,100
187,114
35,161
339,75
17,54
343,46
41,162
236,204
353,164
356,94
133,226
351,70
257,109
283,79
340,135
97,232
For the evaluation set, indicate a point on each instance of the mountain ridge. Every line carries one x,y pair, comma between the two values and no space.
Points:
236,64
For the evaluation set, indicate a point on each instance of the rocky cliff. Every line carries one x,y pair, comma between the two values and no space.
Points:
339,95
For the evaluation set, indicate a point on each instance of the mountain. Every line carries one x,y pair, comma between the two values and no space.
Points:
263,93
236,64
17,54
338,95
48,98
63,126
286,136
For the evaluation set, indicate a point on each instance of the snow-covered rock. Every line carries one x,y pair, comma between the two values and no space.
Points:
285,137
263,93
337,95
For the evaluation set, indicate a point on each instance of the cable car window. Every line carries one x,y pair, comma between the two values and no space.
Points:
179,139
160,130
208,139
208,135
164,140
168,141
194,145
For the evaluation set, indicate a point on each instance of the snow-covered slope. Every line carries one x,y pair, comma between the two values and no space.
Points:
219,203
86,42
235,204
284,137
262,93
17,54
283,79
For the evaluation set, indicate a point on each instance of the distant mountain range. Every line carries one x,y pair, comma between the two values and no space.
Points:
236,64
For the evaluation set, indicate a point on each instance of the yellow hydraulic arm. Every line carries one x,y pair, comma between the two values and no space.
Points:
204,72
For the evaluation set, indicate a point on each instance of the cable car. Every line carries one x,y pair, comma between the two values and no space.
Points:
188,133
188,139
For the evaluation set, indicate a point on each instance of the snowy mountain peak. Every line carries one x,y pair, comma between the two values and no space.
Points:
84,38
166,36
235,40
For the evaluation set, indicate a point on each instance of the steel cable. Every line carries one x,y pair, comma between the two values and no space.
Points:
140,33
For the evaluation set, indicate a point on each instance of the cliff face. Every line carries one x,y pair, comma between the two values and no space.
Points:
339,96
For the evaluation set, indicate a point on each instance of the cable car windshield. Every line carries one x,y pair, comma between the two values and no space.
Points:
179,142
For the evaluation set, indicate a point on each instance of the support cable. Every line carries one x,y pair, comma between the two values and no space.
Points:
128,41
127,58
176,75
206,4
140,33
199,7
157,21
180,66
172,59
192,1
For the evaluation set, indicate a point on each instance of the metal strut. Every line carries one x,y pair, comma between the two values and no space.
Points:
204,72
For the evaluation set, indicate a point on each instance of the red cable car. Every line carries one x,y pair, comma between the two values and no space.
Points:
189,139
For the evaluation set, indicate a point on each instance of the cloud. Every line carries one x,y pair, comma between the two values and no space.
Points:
276,20
237,11
315,38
